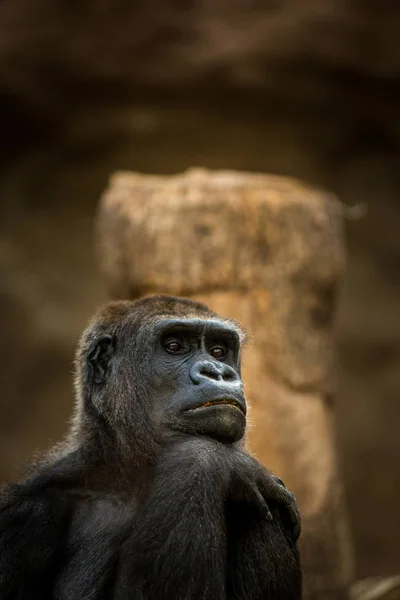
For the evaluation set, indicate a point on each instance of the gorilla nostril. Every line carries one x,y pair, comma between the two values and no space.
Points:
204,371
210,371
229,375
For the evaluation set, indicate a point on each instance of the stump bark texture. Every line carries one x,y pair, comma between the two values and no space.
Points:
267,251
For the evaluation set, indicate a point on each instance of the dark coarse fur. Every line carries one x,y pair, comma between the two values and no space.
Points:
147,499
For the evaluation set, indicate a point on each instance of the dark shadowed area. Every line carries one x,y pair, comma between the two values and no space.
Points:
293,87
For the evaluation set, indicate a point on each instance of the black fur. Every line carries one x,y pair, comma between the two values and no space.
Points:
152,495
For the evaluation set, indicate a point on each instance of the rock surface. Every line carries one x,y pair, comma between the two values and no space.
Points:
267,251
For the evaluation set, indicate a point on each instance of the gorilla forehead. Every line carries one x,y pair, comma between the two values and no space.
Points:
141,314
197,326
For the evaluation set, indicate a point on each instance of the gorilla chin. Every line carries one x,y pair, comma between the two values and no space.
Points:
223,420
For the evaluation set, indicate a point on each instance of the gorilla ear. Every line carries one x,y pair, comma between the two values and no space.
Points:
100,358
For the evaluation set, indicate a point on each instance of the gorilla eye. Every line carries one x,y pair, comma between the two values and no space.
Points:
218,352
173,346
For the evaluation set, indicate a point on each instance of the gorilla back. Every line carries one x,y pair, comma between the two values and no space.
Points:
152,495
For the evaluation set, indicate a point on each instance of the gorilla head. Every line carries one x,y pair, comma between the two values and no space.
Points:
159,365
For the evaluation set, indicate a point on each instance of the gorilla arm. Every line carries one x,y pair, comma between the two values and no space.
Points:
33,529
180,548
179,541
58,542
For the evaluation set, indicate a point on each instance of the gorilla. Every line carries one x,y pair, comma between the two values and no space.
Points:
152,495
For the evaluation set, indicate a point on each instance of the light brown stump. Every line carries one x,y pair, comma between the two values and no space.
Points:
267,251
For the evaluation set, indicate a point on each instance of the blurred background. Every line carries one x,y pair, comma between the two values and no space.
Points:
294,87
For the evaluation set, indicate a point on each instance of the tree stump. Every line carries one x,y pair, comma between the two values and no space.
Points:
267,251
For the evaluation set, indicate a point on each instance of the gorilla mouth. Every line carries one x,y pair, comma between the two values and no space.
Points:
220,401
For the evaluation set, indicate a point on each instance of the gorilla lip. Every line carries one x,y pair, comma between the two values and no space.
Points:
220,401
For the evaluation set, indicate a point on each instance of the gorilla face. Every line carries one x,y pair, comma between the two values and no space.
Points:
187,368
196,377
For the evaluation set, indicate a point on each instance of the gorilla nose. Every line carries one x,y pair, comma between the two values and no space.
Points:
223,375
